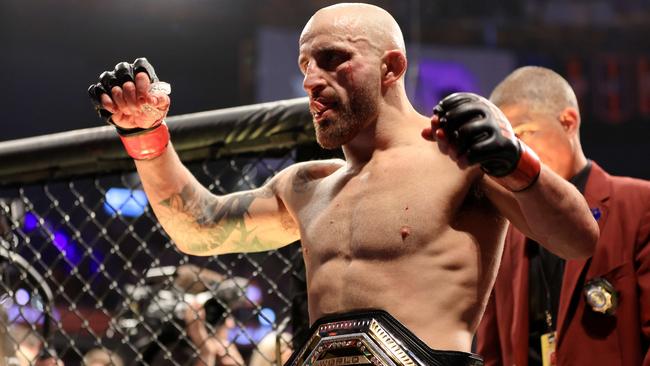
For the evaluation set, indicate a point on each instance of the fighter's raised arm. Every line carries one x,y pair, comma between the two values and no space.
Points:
472,130
199,222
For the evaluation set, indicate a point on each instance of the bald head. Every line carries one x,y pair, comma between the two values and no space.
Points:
543,111
359,22
539,89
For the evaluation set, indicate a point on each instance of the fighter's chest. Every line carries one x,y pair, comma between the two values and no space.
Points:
380,209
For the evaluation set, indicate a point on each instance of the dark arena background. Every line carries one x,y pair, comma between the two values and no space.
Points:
84,264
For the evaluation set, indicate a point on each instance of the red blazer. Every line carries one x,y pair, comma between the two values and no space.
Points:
622,257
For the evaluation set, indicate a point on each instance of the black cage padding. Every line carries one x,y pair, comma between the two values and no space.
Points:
223,132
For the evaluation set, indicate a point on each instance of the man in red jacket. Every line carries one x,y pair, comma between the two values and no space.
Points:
547,311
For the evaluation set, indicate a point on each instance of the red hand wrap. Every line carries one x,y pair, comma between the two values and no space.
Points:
525,174
147,144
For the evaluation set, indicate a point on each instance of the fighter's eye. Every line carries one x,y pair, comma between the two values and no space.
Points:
525,133
331,59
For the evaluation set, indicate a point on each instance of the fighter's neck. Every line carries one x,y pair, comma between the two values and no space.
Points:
390,130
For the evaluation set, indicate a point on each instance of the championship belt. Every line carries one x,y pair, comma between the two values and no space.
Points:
371,338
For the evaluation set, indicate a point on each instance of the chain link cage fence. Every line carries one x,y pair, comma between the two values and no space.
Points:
86,270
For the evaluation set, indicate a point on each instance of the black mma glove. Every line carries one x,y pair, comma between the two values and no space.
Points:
140,143
122,73
480,132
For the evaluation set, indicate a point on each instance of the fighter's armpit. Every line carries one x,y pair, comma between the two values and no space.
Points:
302,180
306,174
477,199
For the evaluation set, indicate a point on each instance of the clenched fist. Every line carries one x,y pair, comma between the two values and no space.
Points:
124,98
472,130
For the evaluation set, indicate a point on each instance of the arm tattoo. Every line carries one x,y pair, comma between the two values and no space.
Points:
223,216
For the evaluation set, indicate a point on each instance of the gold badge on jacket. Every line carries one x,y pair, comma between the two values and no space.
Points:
601,296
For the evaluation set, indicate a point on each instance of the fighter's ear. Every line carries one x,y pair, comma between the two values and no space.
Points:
393,66
570,120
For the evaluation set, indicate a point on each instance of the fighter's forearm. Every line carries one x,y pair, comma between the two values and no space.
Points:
558,216
199,222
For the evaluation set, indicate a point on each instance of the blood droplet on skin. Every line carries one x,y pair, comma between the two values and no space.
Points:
405,231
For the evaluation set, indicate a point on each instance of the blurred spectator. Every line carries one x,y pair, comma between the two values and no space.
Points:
202,302
27,344
6,348
102,357
28,347
273,350
211,342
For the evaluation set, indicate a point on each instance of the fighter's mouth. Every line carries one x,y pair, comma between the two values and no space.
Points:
319,107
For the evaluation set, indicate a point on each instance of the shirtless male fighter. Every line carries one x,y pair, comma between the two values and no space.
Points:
410,225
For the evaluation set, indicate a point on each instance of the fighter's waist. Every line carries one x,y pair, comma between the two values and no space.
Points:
371,337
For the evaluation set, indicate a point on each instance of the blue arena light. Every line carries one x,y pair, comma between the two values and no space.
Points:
22,296
61,240
96,261
30,223
67,247
266,317
250,335
254,294
127,202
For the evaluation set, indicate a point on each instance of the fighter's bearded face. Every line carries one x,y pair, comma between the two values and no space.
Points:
342,79
339,117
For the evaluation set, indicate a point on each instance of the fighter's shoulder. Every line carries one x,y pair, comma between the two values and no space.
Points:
316,169
305,172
